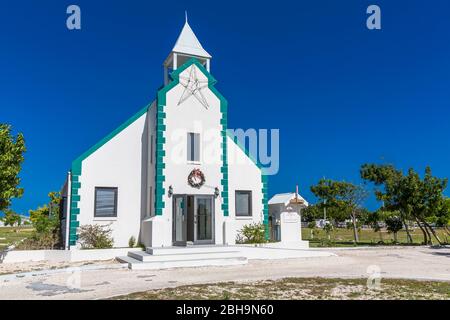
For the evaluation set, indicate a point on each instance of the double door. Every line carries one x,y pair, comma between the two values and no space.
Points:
193,219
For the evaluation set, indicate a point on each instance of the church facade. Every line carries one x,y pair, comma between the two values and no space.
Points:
172,174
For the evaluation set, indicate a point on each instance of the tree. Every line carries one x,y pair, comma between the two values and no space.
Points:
430,201
312,226
443,215
311,213
316,211
11,218
328,228
373,220
413,197
45,220
11,159
343,196
388,182
394,224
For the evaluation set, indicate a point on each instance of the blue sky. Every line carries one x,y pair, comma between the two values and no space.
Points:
340,94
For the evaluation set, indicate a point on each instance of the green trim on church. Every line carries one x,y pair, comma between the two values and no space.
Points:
161,128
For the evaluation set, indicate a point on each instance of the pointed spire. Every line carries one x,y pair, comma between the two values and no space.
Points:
185,15
187,42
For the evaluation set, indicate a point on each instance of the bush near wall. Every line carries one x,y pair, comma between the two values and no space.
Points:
252,233
95,236
46,224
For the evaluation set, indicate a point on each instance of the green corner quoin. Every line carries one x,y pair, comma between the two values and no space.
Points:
160,153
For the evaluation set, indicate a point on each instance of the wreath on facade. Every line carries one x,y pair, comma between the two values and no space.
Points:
196,179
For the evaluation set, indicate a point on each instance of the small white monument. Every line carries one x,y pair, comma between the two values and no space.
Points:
290,226
285,218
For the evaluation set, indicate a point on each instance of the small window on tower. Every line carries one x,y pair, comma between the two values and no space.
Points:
151,149
193,147
150,202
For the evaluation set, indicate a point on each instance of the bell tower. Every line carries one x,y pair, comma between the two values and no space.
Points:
186,47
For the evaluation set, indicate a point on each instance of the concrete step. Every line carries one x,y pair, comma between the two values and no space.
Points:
189,249
144,256
127,259
135,264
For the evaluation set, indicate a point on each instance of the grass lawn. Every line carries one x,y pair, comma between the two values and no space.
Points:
302,289
342,237
9,236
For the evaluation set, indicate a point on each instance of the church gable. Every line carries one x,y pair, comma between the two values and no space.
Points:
182,96
193,89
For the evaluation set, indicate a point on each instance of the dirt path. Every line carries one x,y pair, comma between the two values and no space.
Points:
405,263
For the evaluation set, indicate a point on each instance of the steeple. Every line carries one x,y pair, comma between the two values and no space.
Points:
187,46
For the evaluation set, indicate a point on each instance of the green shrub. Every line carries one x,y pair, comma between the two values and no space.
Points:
142,246
45,221
132,242
39,241
328,228
95,236
11,219
239,238
313,229
253,233
312,224
326,243
393,224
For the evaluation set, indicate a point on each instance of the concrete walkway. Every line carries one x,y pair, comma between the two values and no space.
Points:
407,262
274,251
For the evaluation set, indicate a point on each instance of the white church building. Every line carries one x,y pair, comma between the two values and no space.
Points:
171,174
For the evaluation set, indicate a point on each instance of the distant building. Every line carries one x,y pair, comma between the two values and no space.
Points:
25,220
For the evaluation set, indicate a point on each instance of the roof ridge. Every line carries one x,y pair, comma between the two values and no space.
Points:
188,43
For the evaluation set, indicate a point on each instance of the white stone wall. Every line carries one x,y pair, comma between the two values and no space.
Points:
244,174
63,255
121,163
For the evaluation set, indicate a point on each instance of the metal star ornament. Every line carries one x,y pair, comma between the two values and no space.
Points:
193,87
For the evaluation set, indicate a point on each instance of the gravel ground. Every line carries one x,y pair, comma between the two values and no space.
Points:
303,289
420,263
